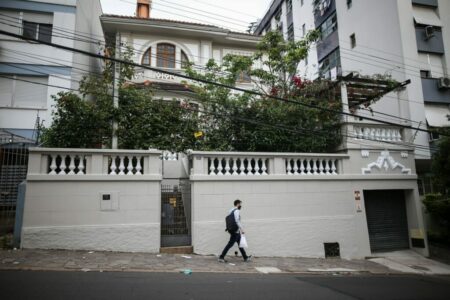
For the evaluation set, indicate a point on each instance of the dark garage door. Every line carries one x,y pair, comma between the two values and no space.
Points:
386,219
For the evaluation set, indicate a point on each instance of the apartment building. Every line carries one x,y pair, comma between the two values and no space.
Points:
408,40
30,73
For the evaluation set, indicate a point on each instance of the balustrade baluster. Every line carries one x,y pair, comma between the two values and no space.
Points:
219,166
295,169
308,166
263,167
53,165
302,166
227,166
130,166
138,166
71,165
288,167
62,166
327,166
242,166
113,166
257,167
80,165
321,166
235,167
212,167
333,167
122,165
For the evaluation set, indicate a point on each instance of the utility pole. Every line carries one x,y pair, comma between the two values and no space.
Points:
116,79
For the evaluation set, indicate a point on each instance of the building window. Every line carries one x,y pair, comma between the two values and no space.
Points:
289,5
303,30
280,27
184,60
306,60
147,58
291,32
353,40
425,74
165,56
37,31
23,94
330,66
349,4
301,2
329,26
243,77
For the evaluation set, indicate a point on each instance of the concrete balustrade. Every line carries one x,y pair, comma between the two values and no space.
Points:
85,164
248,164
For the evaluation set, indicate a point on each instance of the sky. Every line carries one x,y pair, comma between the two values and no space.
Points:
232,14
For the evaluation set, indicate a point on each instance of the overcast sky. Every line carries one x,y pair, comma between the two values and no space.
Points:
232,14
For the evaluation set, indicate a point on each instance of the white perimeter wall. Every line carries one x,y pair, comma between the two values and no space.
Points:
68,215
292,218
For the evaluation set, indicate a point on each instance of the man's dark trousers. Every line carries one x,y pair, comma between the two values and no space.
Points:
234,238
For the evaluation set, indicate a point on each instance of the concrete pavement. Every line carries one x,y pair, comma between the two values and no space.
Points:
58,260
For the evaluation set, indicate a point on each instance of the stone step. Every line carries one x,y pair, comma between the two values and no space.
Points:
177,250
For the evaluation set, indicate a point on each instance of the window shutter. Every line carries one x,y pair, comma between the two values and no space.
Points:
29,94
6,91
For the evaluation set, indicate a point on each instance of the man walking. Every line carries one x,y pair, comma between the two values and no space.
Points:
235,235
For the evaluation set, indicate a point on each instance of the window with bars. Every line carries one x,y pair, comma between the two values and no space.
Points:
37,31
165,56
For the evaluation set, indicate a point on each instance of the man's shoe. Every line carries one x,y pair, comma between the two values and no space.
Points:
248,259
222,260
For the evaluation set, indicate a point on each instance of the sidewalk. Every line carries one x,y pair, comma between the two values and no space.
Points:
87,261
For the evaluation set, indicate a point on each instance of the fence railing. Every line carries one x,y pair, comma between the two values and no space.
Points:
84,162
265,164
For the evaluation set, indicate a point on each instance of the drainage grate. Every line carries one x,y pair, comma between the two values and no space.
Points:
332,250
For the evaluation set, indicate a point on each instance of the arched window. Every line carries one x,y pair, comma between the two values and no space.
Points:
147,58
184,60
165,56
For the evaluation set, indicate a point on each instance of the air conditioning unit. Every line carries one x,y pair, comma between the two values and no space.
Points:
444,83
429,32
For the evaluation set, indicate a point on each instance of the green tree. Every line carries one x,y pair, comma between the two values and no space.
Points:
438,205
248,122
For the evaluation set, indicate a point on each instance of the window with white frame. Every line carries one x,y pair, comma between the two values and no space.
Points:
18,91
38,26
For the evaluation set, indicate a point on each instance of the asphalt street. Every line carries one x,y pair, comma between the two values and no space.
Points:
90,285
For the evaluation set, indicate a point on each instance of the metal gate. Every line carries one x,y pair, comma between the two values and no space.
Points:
13,170
175,214
386,220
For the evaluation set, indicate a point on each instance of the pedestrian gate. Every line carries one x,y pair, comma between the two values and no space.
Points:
175,214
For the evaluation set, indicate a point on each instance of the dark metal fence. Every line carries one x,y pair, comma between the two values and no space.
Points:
13,170
175,215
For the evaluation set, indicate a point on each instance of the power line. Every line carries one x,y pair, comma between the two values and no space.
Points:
295,130
70,49
372,111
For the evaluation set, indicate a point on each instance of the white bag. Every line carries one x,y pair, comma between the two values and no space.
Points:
243,242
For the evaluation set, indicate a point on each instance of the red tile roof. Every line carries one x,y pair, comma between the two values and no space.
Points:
175,21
